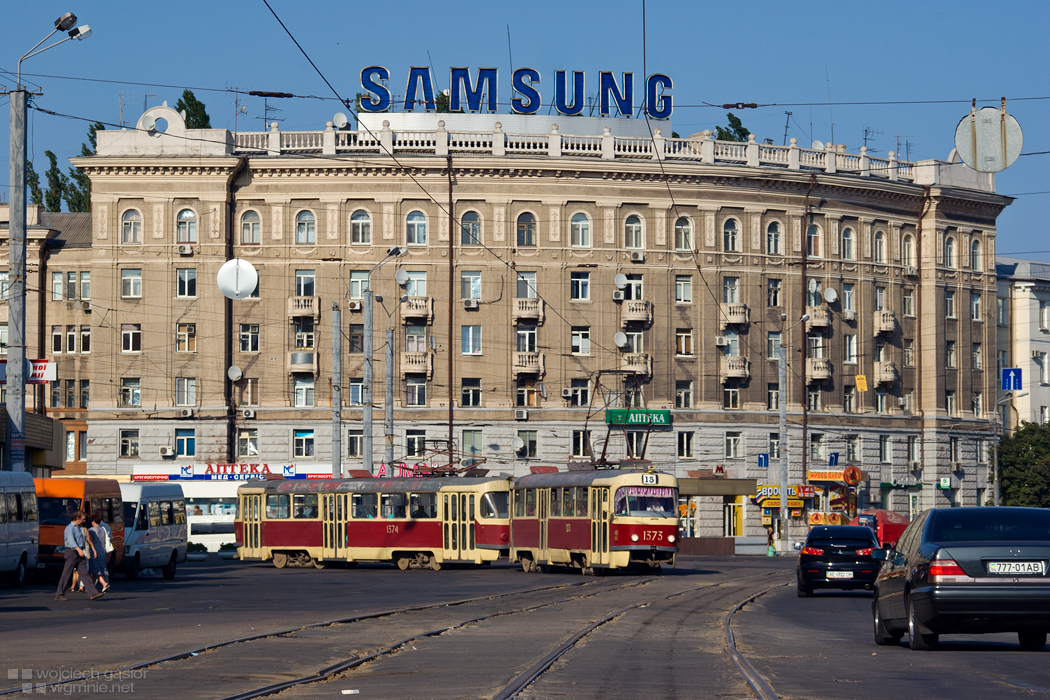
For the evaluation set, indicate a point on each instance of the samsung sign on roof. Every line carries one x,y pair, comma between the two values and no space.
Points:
481,92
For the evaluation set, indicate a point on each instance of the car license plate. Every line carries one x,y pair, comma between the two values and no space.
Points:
1013,568
840,574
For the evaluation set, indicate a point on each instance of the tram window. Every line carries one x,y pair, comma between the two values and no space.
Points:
581,502
471,500
647,501
180,512
304,505
494,504
519,504
154,513
364,505
393,505
569,502
555,503
277,506
530,503
423,505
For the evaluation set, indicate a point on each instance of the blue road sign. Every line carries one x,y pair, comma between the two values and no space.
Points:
1011,379
833,459
763,460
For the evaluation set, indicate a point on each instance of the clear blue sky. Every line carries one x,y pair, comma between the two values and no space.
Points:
765,52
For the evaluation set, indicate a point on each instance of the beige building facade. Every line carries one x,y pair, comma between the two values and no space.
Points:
584,271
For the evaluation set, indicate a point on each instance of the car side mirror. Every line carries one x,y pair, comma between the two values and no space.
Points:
798,546
880,554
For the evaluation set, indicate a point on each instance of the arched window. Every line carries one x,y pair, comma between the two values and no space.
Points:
908,250
773,238
847,244
186,227
580,231
683,234
305,227
470,229
131,227
730,236
975,256
632,232
949,252
360,227
813,241
250,228
880,247
526,229
416,229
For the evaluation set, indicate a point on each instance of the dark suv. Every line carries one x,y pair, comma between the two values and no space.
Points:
837,556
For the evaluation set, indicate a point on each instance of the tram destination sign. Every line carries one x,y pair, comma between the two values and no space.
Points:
633,416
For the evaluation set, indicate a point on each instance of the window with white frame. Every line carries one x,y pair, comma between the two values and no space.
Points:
975,307
814,398
304,283
847,244
635,440
57,284
975,356
977,404
580,391
526,337
817,446
849,399
579,286
880,400
949,303
880,298
909,352
1044,370
356,392
580,231
731,290
885,449
909,402
953,449
415,338
908,250
530,447
130,337
880,350
305,336
773,292
302,443
185,391
355,441
248,442
415,390
731,396
685,444
949,354
949,402
633,289
815,344
773,339
1044,415
975,256
358,284
186,226
130,392
360,227
632,232
470,228
773,397
470,392
185,337
852,448
908,302
1002,316
470,284
813,241
683,289
732,346
250,228
304,390
415,443
471,443
186,282
814,296
773,243
850,349
848,303
913,448
773,445
526,230
185,442
730,236
683,234
581,443
129,443
1001,360
949,252
470,340
249,337
580,343
733,445
56,339
416,284
880,247
1044,315
131,227
684,341
416,228
3,339
526,285
131,283
683,393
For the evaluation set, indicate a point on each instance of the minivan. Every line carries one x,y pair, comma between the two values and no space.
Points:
58,499
154,528
19,531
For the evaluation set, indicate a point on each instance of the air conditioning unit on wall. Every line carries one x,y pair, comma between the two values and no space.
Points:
566,392
849,315
471,303
354,305
186,413
185,249
521,414
637,256
617,295
167,451
720,341
248,413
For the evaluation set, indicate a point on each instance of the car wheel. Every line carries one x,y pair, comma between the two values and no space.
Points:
800,588
1032,641
883,637
18,576
131,569
916,639
168,570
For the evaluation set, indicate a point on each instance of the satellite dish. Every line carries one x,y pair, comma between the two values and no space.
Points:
812,286
401,277
818,145
620,339
234,373
988,139
517,443
339,120
149,123
237,279
620,280
830,295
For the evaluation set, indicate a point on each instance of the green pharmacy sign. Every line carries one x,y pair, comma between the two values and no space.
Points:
631,416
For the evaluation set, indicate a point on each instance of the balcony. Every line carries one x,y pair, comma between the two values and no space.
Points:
885,373
304,306
302,361
819,317
528,363
528,310
416,308
735,368
885,322
818,369
636,310
638,363
734,315
417,363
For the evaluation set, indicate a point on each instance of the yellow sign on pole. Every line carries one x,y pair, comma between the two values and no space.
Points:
862,382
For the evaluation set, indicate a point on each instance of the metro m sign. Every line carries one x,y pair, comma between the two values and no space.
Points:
38,372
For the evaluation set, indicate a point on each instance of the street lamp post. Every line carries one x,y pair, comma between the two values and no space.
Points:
366,389
782,387
388,399
16,248
995,446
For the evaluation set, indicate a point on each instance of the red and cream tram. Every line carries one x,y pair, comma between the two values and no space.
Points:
410,522
590,520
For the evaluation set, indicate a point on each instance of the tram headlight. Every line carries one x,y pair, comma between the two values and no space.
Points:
634,537
670,538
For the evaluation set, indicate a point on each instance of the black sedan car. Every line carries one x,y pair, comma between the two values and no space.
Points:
837,556
966,571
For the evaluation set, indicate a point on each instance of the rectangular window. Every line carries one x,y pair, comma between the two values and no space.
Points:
129,443
683,289
416,285
975,307
71,286
685,444
471,340
130,392
909,302
526,337
885,449
684,341
847,297
913,448
56,339
56,395
880,400
733,448
909,402
185,391
71,393
1002,359
131,337
909,353
85,286
71,338
3,338
415,338
853,448
977,404
526,285
1044,370
131,283
470,389
975,356
186,337
57,280
949,402
815,344
880,350
416,390
415,443
774,445
813,399
304,390
731,397
249,337
581,392
949,303
185,442
850,354
354,443
472,443
5,284
581,340
470,284
730,290
358,284
683,393
356,392
816,448
527,393
304,283
773,339
186,286
248,442
85,339
953,449
250,391
581,443
880,298
1002,317
303,327
303,443
529,446
579,286
85,393
356,339
1044,315
773,292
773,397
949,354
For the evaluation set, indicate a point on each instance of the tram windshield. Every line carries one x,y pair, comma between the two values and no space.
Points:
57,511
495,504
647,501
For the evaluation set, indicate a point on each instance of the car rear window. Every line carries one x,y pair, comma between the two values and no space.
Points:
857,544
991,525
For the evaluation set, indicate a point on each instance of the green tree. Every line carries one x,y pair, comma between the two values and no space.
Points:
56,184
735,132
36,196
1024,466
78,188
196,114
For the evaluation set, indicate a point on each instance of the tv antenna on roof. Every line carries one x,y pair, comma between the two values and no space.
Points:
267,111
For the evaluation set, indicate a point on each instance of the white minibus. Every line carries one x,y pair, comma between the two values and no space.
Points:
154,527
19,526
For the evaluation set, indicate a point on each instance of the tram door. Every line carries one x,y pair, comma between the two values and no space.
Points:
251,508
599,526
454,525
333,511
543,497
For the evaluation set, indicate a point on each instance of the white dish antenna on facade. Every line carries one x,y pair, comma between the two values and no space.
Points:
830,295
620,339
401,277
620,280
149,123
339,120
234,373
813,287
989,139
237,279
517,443
818,145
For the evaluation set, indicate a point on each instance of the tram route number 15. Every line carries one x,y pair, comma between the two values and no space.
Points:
649,479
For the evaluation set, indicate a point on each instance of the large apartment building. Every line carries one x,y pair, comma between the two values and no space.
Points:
548,273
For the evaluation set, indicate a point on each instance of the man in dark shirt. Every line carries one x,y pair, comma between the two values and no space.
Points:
75,558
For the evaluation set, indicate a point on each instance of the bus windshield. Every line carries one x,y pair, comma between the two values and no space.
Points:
129,514
56,511
647,501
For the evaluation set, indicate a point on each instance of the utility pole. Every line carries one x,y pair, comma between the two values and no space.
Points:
787,123
388,398
782,379
366,390
337,392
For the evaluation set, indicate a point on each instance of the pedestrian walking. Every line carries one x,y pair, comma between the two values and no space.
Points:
102,543
76,559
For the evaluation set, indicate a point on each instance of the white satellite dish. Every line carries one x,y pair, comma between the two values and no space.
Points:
830,295
234,373
620,339
620,280
237,279
812,286
401,277
517,443
149,123
818,145
339,120
989,139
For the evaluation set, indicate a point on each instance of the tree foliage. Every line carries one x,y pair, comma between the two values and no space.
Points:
56,184
36,195
196,114
78,187
1024,466
734,132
